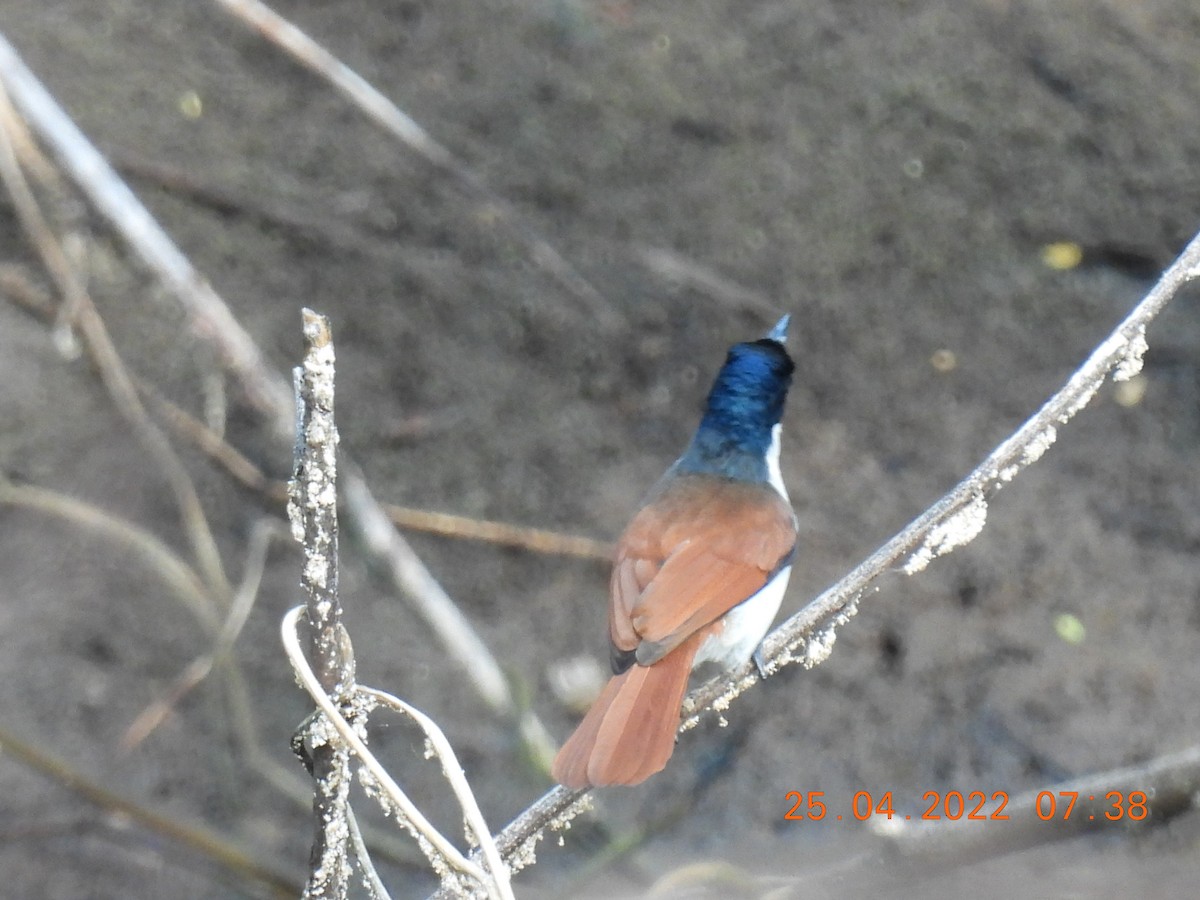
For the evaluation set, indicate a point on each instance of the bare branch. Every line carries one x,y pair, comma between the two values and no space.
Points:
312,508
441,851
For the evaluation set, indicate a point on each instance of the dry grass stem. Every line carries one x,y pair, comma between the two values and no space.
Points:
404,128
167,826
113,373
239,611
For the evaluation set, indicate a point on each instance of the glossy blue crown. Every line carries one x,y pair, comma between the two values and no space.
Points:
745,403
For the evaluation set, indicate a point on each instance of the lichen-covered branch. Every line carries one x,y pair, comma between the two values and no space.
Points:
312,509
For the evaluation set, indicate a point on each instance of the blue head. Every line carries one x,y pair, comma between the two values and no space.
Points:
744,405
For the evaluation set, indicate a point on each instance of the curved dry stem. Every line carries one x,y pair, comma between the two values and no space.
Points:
370,877
194,837
457,780
441,852
184,584
113,373
239,611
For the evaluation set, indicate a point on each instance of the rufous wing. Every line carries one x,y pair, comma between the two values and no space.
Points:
696,551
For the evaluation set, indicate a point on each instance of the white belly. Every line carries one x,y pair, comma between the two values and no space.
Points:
745,625
748,622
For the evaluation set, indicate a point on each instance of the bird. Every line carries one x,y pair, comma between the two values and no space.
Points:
698,574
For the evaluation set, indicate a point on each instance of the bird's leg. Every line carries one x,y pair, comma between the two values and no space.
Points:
760,663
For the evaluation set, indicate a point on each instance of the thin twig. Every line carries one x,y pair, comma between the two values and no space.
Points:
265,389
403,127
677,268
370,877
538,540
194,837
239,611
181,579
808,636
429,599
112,370
441,748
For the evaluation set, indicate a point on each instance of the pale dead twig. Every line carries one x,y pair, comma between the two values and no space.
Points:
507,534
676,267
472,815
808,636
370,876
196,838
239,611
403,127
538,540
112,370
212,320
430,601
18,285
181,579
264,388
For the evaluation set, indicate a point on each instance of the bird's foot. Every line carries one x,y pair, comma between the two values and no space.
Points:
760,663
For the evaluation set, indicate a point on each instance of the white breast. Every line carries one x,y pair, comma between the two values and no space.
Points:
774,475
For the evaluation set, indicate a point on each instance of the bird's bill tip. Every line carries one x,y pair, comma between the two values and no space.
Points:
780,331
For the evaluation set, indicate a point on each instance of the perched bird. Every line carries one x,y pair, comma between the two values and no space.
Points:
698,575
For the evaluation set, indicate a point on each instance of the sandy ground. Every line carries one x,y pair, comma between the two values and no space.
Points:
888,173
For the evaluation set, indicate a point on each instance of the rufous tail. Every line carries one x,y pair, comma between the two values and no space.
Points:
629,733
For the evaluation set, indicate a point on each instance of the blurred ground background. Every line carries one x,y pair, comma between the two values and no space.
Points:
888,173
